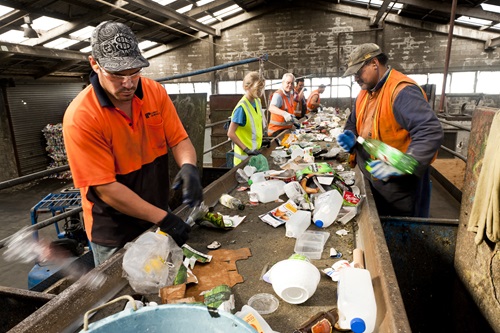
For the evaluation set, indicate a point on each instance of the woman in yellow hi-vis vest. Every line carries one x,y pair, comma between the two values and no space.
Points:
247,126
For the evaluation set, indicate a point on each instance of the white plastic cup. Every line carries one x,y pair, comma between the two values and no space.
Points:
298,223
294,281
356,300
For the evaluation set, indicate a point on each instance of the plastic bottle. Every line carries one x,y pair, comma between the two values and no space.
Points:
231,202
266,191
251,316
280,185
298,223
257,177
401,161
326,208
356,300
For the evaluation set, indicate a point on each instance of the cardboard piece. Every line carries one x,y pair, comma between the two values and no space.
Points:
221,270
170,293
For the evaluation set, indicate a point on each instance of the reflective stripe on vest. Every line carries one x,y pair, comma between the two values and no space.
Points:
277,122
250,134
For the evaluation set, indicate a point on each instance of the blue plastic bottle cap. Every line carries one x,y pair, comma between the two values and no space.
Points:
318,223
358,325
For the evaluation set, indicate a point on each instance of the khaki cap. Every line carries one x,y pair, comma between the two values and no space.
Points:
359,55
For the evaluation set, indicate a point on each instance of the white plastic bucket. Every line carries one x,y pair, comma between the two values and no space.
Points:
294,281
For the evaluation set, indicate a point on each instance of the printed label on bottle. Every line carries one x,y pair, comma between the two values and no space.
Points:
250,318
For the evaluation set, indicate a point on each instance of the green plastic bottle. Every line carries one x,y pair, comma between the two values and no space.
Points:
401,161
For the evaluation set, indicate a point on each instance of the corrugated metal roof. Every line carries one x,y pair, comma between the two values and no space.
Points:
164,22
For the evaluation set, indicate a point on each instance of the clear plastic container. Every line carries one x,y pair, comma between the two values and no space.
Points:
311,244
356,300
264,303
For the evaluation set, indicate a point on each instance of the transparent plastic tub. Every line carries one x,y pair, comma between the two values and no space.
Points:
311,243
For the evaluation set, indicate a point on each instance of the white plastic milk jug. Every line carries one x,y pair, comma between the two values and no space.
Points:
266,191
326,208
356,300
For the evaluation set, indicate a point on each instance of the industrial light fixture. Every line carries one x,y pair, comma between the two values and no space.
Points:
29,32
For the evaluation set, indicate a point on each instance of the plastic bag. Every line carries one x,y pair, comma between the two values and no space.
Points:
151,262
260,162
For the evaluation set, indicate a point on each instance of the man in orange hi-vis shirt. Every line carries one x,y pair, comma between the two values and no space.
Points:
117,132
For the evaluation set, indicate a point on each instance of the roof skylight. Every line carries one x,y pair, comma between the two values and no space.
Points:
473,21
60,43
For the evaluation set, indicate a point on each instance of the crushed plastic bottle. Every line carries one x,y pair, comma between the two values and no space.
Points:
231,202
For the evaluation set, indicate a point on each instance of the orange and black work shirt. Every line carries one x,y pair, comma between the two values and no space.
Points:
104,145
311,99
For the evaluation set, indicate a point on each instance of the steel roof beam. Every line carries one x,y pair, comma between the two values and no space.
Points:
172,14
40,51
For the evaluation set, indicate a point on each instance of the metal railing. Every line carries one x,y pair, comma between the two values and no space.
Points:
451,151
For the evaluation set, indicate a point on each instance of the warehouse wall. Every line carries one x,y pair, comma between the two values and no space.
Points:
8,168
308,41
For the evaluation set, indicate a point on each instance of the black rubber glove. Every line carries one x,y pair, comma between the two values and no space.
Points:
174,226
189,178
249,151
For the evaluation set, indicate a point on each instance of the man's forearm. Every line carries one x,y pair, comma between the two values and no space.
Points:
184,152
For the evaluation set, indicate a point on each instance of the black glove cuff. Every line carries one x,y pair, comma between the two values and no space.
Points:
171,224
189,166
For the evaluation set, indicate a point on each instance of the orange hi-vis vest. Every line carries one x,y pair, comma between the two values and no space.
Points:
309,100
277,122
385,127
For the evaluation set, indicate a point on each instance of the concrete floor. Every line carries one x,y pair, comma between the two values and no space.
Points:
16,203
15,206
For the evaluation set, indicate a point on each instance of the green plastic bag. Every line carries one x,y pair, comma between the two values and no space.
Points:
260,162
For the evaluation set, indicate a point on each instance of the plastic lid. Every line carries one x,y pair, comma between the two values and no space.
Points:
250,182
358,325
263,303
360,140
318,223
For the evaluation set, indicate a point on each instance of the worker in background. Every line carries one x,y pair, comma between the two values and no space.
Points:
314,100
391,108
282,107
246,127
300,103
116,133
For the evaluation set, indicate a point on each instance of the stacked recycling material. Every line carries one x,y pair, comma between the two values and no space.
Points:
55,148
